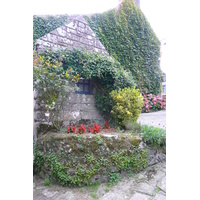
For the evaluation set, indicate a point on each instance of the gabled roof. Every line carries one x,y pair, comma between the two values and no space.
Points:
75,34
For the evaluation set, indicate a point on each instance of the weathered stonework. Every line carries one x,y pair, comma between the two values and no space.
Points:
75,34
79,108
103,153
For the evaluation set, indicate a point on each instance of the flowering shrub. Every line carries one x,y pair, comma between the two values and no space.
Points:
153,103
53,87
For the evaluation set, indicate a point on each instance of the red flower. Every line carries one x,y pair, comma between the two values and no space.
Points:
68,129
73,129
106,125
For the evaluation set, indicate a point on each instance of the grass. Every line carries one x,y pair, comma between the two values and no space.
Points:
107,189
94,186
94,196
154,136
46,182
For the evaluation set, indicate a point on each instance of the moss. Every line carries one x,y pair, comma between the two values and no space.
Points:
88,159
135,142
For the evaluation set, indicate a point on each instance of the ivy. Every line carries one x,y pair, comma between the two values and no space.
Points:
129,38
45,24
106,73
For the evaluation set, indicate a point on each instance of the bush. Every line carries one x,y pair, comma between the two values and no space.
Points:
53,87
153,103
154,136
127,105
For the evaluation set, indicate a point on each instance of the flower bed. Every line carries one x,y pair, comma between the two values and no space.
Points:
95,128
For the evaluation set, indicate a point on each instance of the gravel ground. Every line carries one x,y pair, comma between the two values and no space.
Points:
156,119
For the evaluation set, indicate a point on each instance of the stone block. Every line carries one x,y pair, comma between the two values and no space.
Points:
139,196
82,25
159,197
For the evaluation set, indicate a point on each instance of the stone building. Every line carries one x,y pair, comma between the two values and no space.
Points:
80,107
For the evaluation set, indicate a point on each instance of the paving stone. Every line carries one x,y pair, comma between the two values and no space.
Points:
159,197
113,196
49,194
139,196
162,184
143,187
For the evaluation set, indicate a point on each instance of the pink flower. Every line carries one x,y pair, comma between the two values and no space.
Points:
147,106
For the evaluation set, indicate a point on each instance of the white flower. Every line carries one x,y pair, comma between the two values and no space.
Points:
47,114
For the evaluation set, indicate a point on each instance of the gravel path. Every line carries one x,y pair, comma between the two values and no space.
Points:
156,119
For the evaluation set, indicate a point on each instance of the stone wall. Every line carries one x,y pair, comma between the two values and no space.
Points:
75,34
79,108
95,156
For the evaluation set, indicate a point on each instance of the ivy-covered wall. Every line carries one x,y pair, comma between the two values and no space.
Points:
45,24
129,38
105,72
76,160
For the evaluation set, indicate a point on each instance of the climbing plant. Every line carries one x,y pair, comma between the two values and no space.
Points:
128,37
45,24
105,72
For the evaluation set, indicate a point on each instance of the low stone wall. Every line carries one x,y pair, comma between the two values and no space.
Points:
90,158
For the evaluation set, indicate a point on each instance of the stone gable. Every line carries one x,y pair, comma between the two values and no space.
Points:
75,34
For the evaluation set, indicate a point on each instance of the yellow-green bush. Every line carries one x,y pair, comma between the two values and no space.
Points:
127,105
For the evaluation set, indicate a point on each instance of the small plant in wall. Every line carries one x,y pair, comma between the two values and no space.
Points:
53,87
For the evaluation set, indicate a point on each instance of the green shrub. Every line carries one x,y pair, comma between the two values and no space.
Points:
154,136
52,86
127,105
